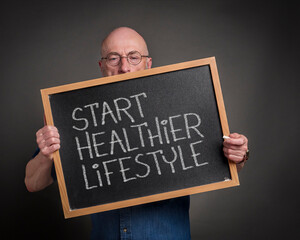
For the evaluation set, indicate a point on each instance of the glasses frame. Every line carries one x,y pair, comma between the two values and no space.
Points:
115,53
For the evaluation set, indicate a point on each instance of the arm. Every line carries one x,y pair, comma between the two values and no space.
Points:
38,169
235,149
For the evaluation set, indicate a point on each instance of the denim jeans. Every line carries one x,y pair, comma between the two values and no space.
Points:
164,220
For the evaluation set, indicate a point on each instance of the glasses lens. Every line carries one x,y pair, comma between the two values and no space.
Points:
113,59
134,58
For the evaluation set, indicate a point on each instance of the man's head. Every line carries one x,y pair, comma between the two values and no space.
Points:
123,41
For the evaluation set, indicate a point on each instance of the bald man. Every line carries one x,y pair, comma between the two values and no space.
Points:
123,51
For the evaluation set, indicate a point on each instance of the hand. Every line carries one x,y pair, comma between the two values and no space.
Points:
235,147
48,140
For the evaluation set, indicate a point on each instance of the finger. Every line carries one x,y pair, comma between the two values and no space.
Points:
235,141
47,135
46,129
229,151
238,136
234,135
235,147
234,158
41,142
47,151
51,141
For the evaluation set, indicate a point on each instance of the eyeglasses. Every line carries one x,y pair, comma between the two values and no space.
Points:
133,58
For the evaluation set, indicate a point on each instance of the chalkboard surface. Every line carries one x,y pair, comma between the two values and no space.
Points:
129,139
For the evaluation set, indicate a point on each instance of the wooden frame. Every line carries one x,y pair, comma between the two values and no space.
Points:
234,181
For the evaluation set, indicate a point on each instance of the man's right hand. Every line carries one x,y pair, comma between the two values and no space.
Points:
48,140
38,170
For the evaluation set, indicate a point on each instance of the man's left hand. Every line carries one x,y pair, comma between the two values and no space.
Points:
235,148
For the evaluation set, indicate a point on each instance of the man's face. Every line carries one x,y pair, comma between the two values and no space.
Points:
123,43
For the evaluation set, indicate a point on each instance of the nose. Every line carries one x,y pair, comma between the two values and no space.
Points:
124,66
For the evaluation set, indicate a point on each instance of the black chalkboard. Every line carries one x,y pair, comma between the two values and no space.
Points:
147,135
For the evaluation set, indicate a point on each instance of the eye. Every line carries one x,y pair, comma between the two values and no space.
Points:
113,58
134,57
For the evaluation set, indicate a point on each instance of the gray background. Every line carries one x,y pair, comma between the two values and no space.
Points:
49,43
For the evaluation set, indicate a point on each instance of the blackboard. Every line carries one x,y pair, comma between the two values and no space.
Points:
139,137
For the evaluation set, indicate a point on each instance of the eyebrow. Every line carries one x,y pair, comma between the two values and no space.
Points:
134,51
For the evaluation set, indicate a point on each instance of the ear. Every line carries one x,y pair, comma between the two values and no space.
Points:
149,63
101,66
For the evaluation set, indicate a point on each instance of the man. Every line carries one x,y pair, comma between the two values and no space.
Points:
124,50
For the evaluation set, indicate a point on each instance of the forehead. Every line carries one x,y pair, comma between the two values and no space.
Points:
123,45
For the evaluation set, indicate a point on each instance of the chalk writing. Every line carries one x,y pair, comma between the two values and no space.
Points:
125,149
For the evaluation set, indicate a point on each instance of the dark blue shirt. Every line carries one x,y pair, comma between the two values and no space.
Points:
163,220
